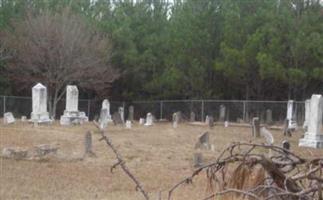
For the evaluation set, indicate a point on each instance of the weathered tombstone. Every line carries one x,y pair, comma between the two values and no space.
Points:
307,113
8,118
14,153
149,119
103,120
226,124
269,117
175,120
211,122
291,115
131,113
207,119
203,141
71,113
222,113
192,117
88,145
45,149
121,112
142,121
39,112
116,117
255,127
23,118
128,124
106,105
267,135
197,160
314,137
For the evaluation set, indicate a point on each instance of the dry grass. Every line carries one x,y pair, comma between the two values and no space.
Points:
159,156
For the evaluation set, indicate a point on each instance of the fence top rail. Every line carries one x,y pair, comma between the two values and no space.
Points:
174,101
214,100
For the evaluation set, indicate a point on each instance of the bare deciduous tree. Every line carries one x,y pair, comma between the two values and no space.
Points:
59,49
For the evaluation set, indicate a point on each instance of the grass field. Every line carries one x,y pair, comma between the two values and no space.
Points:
159,156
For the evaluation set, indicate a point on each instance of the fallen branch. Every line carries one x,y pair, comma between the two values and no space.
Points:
302,180
121,162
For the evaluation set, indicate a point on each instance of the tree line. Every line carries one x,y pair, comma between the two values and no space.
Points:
162,49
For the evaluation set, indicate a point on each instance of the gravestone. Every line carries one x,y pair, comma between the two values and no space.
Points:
149,119
14,153
128,124
197,160
211,122
88,145
8,118
121,112
106,105
39,112
226,124
23,118
192,117
207,119
269,117
175,120
103,120
267,135
291,115
313,136
45,149
307,113
255,127
71,113
131,113
203,141
116,117
222,113
142,121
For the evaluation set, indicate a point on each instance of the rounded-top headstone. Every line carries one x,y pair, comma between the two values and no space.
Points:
105,104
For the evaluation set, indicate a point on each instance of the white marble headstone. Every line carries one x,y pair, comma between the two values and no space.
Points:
72,98
307,113
121,112
39,104
71,113
8,118
149,119
314,137
290,113
106,105
142,121
128,124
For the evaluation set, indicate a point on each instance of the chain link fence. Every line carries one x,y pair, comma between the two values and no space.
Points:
235,110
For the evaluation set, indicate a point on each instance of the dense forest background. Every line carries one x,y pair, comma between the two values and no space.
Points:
196,49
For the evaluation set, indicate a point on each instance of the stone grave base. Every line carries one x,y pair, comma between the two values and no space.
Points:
75,117
311,141
40,118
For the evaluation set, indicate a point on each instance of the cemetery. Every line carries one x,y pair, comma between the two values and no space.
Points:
159,152
161,99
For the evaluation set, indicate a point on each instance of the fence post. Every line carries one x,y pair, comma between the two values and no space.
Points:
244,111
202,111
161,110
4,104
88,108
